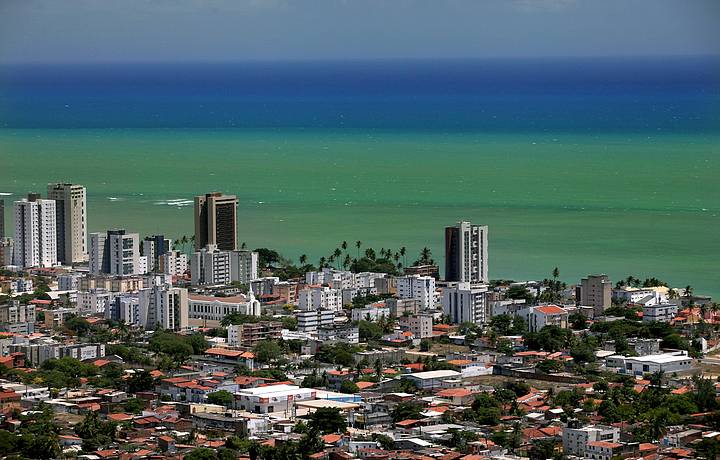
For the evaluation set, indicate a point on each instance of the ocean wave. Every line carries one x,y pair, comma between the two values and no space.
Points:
178,202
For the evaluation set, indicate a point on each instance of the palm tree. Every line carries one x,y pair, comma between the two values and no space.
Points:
337,254
358,243
321,264
243,245
403,251
331,259
347,262
303,259
370,253
656,379
555,273
425,255
687,292
184,241
672,293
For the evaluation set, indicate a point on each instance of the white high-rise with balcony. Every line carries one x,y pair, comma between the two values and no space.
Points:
417,287
35,233
466,253
71,222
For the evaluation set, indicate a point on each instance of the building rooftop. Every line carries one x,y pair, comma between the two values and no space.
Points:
435,374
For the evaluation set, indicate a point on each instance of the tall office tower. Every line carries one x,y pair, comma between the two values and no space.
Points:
71,222
594,291
466,253
35,234
153,247
216,221
2,218
115,253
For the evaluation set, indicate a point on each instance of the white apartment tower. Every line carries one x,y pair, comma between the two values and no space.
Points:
463,302
211,266
466,253
35,232
243,266
116,253
417,287
71,222
173,263
163,306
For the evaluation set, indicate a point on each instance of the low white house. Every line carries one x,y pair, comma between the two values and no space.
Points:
434,379
664,312
544,315
273,398
639,365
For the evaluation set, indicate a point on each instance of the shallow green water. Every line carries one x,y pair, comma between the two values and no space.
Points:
619,204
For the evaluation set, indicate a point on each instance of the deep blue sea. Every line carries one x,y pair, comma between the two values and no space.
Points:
677,95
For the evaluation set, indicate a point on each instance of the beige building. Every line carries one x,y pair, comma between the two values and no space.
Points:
216,221
420,325
71,222
594,291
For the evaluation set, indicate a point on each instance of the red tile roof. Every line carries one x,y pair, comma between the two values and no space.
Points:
550,310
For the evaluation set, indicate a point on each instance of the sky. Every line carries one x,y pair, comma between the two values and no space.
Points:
52,31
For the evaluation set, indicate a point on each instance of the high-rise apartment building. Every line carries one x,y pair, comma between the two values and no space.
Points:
153,247
466,253
172,263
417,287
211,266
116,253
163,306
71,222
216,221
594,291
464,302
35,233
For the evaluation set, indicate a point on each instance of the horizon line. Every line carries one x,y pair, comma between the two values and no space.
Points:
357,59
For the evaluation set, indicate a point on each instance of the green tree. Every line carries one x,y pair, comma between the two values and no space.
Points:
79,326
95,432
518,292
198,343
385,441
406,411
328,420
222,398
267,351
369,330
349,387
8,442
578,321
140,381
134,406
542,449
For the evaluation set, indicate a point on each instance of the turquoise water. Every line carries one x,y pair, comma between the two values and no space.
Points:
641,204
